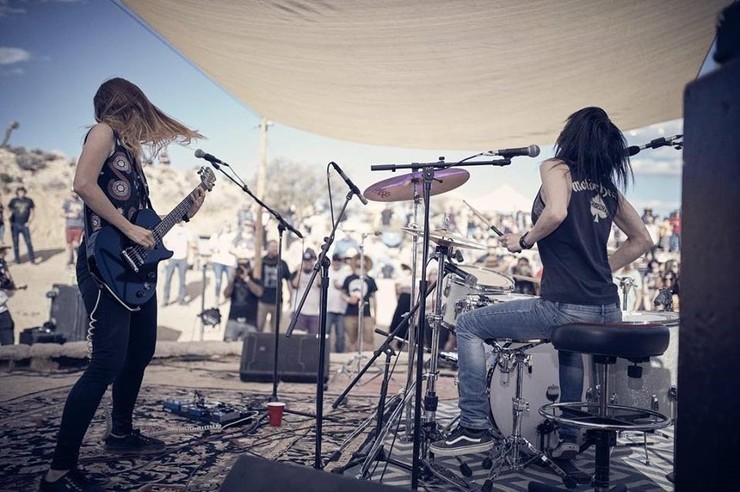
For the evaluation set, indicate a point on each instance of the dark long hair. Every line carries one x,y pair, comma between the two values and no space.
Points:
138,122
592,143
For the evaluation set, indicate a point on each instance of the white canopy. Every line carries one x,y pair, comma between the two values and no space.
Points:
468,74
503,199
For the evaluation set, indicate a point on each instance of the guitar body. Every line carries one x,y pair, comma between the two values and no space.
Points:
131,284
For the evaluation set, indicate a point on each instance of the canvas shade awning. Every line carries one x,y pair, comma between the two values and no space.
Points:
472,74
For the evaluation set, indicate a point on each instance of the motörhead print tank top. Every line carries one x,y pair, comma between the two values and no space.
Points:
574,257
123,182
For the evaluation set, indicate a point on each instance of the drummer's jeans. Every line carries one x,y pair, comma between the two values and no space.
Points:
519,319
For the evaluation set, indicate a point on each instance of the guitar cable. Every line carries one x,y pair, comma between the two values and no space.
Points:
91,328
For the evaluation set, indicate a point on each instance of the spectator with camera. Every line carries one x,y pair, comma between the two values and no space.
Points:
244,292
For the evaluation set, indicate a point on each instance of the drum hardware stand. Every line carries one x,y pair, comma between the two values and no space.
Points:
322,263
412,325
427,173
510,451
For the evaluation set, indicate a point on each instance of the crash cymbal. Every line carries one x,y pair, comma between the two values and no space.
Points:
442,236
409,186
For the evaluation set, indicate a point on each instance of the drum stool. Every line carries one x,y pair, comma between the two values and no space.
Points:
511,355
602,420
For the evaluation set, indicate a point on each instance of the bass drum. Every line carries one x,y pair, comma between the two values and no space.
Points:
502,390
657,388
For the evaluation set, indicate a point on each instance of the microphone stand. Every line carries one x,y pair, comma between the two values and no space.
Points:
282,225
322,263
427,172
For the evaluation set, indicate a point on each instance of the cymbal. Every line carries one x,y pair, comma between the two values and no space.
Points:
409,186
441,236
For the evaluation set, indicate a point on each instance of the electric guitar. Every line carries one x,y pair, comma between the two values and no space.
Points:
128,271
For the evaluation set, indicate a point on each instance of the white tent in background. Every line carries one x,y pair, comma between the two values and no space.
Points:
503,199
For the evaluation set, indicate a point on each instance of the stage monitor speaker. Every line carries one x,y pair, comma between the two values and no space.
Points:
298,358
260,475
68,313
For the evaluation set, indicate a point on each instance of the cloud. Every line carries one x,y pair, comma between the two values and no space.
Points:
6,9
10,55
659,206
665,161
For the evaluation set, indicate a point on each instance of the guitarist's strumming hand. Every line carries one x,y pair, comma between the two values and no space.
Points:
198,196
141,236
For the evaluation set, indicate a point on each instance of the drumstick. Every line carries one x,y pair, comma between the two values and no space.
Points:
483,218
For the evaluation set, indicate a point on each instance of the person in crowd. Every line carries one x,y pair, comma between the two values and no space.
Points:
72,211
522,273
308,318
21,216
223,259
572,216
179,241
403,303
2,221
675,242
336,306
359,290
244,291
651,282
112,185
7,326
273,276
653,229
665,234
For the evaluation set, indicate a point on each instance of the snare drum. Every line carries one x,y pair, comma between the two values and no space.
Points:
653,389
461,297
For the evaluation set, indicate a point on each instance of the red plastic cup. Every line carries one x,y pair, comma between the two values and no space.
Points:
275,411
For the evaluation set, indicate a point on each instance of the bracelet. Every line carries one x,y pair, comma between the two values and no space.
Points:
523,244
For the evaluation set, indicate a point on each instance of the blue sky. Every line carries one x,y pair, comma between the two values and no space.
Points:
55,53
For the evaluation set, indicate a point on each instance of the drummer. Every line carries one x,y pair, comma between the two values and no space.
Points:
572,215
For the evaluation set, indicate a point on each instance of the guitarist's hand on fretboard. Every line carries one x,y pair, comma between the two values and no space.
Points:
199,196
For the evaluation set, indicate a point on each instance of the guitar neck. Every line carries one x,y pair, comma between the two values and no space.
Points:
176,215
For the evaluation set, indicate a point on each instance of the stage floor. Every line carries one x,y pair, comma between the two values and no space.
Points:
31,403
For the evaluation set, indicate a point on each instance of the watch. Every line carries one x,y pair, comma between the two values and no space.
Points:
523,244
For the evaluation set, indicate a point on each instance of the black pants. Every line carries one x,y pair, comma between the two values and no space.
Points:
7,329
123,343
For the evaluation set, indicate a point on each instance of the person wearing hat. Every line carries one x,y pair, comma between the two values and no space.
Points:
308,318
7,326
272,279
358,294
21,215
244,291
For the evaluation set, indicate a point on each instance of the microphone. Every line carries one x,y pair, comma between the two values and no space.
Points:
349,182
210,158
654,144
467,278
531,151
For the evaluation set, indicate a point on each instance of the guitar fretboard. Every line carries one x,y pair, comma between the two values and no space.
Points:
176,215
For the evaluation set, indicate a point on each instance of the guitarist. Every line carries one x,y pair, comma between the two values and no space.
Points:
111,183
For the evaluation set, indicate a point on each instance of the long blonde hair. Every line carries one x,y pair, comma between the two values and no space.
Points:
138,122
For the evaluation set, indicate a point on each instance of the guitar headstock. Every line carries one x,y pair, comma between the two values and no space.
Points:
207,177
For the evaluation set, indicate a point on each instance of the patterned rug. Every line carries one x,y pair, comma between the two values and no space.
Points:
199,460
195,460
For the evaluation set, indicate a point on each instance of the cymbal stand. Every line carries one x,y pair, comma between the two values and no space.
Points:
411,333
427,172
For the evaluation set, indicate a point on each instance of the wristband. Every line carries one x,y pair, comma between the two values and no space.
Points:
185,218
523,244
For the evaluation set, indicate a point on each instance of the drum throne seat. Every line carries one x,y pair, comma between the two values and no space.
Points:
601,419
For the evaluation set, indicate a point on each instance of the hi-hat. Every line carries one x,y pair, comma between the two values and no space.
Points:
409,186
446,238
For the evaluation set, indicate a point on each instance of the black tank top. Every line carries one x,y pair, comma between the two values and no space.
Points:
123,182
574,258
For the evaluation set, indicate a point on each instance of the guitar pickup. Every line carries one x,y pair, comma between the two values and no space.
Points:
126,253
